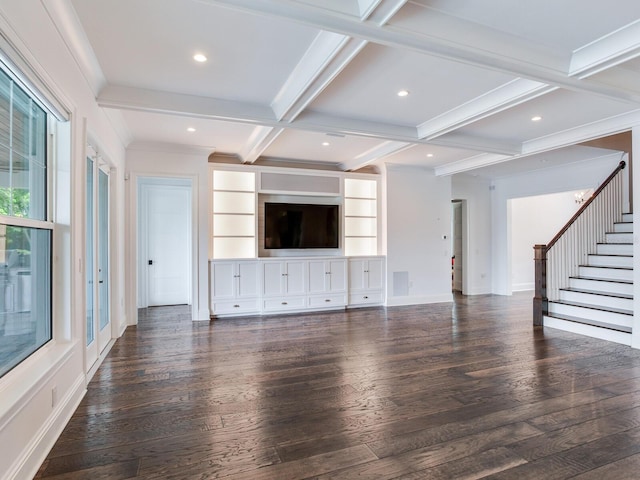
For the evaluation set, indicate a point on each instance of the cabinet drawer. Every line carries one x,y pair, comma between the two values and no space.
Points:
284,303
228,307
328,301
366,298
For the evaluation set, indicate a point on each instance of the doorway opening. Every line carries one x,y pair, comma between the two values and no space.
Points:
165,234
459,246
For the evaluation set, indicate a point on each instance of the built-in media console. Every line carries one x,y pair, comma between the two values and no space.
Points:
293,240
295,284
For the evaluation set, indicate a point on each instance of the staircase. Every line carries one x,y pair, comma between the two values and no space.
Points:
598,301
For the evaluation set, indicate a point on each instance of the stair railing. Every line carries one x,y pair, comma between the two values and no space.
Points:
558,260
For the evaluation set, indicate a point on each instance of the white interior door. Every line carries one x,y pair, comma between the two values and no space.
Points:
97,257
168,231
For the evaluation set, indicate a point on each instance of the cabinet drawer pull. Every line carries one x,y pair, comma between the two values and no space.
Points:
284,303
365,297
236,306
327,300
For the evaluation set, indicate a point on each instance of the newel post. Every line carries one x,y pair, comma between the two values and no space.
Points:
540,301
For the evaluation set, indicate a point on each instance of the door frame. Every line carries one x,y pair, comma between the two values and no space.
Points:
142,283
464,222
95,352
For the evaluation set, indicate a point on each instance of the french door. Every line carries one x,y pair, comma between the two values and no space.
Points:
98,315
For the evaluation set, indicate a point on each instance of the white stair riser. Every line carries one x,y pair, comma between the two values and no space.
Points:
619,237
614,249
589,330
623,227
599,300
591,314
606,273
613,287
627,217
610,261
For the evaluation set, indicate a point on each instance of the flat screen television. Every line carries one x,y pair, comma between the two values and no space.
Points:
297,225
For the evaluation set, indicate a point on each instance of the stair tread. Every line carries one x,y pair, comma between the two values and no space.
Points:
627,282
610,254
593,323
621,311
599,292
615,267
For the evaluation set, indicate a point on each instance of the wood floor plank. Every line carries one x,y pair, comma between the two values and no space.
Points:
464,390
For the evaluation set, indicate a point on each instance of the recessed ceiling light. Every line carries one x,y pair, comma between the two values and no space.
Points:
536,118
429,155
199,57
403,93
325,144
191,129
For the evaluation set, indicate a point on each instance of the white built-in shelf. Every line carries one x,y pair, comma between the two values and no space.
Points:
360,217
234,214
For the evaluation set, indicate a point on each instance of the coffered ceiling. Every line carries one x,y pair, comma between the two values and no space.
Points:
318,80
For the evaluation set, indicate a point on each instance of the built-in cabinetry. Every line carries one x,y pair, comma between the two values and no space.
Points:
270,285
366,280
235,286
327,283
283,285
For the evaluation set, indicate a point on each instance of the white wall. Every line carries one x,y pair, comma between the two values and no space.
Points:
163,163
476,275
576,176
535,220
30,421
418,215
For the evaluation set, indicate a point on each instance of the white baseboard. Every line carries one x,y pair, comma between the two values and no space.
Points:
419,299
521,287
479,291
41,444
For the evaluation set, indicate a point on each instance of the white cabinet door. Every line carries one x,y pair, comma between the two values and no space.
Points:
375,273
318,274
223,279
273,275
247,277
357,278
337,275
295,277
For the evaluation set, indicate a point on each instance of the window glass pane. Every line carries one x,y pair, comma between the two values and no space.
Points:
22,153
25,293
89,252
103,248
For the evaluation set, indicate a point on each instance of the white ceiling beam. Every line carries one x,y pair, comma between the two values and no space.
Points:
73,35
471,163
502,98
608,126
611,50
152,101
258,142
374,154
317,68
325,58
421,43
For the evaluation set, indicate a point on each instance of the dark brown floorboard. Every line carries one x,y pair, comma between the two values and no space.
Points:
444,391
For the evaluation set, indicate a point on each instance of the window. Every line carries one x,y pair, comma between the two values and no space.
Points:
25,232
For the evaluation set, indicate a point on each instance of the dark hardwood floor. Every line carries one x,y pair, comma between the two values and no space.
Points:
439,391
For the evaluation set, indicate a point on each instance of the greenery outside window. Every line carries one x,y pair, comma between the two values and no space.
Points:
25,232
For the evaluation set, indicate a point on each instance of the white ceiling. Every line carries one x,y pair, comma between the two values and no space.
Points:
282,74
